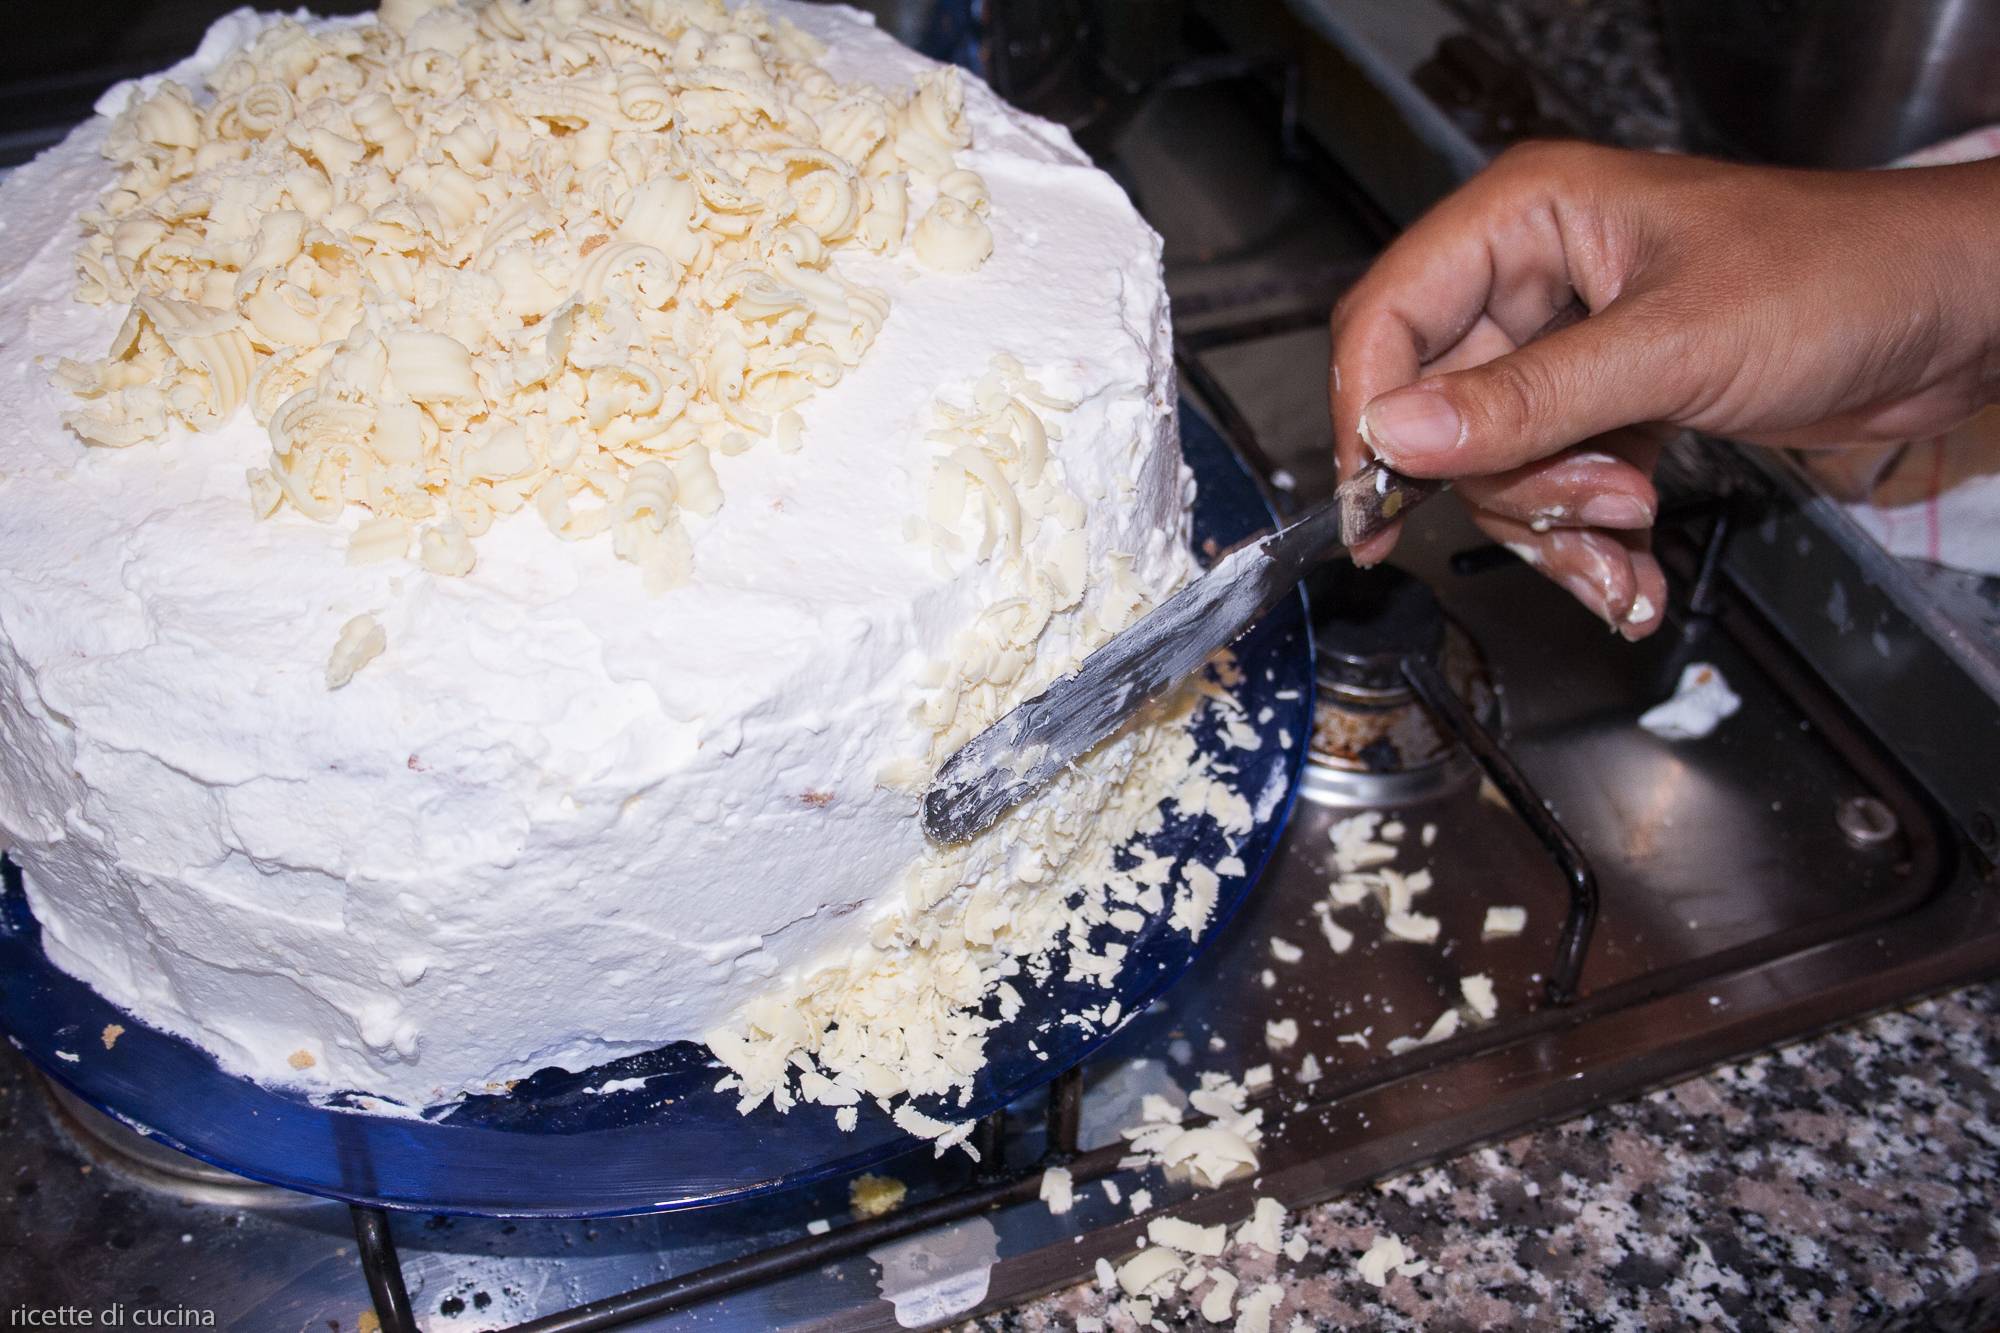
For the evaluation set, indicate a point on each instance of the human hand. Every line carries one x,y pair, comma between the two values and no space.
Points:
1783,307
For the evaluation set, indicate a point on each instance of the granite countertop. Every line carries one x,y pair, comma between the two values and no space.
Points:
1602,61
1849,1181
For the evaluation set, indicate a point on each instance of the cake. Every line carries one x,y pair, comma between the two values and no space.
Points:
504,506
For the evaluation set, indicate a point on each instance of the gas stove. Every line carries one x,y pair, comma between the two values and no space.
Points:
1823,853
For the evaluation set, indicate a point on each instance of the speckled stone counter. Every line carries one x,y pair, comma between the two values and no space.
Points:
1603,60
1848,1182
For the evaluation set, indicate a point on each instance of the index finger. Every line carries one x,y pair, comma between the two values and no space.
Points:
1493,249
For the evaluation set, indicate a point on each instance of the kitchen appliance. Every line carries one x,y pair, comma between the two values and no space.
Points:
1827,851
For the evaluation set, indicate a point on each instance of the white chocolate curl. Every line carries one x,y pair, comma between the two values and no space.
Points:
952,237
361,641
491,255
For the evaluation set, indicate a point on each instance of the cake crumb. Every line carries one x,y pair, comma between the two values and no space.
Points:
112,1032
1282,1034
301,1059
874,1196
1502,921
1285,951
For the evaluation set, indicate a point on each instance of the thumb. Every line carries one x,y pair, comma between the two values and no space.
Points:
1614,369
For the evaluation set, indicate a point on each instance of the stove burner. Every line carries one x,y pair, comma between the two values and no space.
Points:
1367,621
149,1163
1373,740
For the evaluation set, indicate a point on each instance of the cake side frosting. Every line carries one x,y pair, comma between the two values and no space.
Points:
558,819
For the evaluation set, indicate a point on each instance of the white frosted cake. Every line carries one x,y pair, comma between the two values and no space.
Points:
503,508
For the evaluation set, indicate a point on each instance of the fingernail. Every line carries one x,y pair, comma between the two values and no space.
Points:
1615,511
1411,424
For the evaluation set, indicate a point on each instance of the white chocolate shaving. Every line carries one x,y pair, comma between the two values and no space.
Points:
1265,1229
1152,1270
361,641
1219,1301
474,258
952,237
1187,1237
1477,990
1058,1190
1443,1029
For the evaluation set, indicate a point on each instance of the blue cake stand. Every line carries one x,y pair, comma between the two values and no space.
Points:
550,1147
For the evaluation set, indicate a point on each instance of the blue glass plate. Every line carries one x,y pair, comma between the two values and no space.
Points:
550,1148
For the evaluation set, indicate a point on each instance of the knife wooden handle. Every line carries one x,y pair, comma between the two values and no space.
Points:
1377,496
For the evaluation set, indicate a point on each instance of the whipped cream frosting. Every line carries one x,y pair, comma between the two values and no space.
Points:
556,818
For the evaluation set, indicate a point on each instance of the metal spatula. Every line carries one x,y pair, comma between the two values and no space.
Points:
1014,757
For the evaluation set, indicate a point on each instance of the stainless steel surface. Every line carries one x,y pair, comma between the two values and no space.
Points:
1018,755
1833,83
1898,657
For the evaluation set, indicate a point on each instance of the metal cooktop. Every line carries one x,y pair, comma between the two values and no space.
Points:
1816,857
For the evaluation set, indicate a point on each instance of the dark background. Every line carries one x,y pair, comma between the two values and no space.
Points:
59,57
